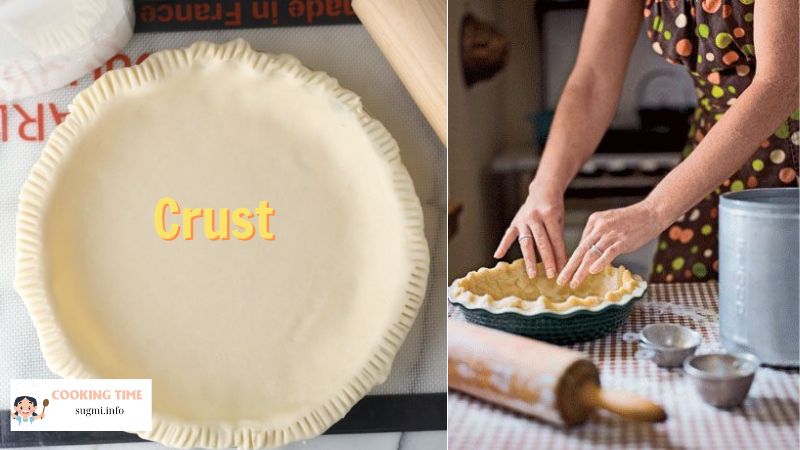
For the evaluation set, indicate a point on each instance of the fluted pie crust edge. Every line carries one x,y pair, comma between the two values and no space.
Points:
507,288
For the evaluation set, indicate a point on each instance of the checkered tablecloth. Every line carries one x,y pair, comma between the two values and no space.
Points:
768,419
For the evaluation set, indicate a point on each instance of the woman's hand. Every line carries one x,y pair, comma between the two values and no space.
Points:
589,99
539,222
609,234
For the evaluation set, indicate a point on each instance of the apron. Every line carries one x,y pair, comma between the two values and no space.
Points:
21,420
713,39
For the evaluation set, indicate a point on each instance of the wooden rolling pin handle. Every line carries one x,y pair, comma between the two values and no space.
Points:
626,404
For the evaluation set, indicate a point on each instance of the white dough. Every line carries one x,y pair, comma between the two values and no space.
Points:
254,337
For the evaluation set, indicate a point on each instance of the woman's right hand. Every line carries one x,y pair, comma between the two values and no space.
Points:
539,222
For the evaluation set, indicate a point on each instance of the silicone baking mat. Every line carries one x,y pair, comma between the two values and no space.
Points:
413,398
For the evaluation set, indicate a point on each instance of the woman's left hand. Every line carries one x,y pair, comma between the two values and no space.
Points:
609,234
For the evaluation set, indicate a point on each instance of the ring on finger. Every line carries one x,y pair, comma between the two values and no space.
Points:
523,237
596,249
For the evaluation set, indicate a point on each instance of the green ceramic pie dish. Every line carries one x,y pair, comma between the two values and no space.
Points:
578,325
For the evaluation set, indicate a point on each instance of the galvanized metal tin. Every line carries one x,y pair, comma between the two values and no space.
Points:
759,274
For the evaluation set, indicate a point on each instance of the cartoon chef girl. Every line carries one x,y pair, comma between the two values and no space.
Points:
25,410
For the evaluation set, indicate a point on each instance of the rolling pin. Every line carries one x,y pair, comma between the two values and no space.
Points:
412,35
552,383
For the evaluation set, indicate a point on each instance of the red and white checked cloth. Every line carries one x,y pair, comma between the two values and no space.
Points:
768,420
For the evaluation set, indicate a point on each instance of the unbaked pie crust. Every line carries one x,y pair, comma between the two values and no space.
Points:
507,288
249,343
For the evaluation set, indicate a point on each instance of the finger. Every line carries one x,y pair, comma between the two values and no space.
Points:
587,230
608,256
545,249
574,262
568,272
583,268
505,243
595,253
556,233
526,245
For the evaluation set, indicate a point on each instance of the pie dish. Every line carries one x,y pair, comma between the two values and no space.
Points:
249,343
507,288
505,298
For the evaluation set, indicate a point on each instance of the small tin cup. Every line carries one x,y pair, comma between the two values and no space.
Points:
668,345
722,379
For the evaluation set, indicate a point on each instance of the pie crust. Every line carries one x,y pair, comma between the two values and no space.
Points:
507,288
249,343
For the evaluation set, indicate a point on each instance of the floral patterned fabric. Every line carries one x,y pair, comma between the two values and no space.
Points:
714,40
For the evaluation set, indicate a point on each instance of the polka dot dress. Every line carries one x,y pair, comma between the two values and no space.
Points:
713,39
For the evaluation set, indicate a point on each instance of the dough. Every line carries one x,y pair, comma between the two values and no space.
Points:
249,343
507,288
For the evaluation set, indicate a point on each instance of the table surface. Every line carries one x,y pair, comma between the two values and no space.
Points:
768,419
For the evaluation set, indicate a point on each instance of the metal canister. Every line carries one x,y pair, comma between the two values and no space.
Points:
759,274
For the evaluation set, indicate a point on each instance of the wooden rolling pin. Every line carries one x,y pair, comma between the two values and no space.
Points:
549,382
412,35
